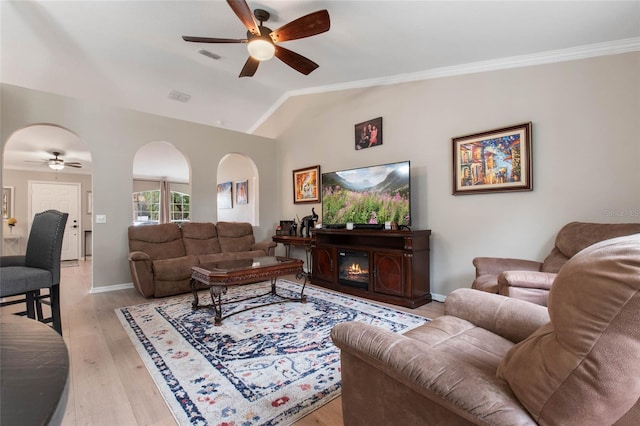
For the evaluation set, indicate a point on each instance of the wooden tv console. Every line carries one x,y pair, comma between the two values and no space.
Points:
398,263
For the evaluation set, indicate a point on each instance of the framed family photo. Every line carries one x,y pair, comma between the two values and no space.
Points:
306,185
368,133
493,161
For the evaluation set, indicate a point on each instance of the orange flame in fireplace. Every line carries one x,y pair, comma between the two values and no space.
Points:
356,269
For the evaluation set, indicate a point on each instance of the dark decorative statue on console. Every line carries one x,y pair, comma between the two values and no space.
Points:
308,223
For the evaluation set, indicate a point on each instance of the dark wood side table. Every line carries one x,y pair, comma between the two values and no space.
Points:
34,373
288,241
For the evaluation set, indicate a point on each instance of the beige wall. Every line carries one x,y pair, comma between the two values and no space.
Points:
113,136
586,147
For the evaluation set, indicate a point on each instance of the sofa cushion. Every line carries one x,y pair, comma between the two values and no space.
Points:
162,241
200,238
582,367
464,342
178,268
235,236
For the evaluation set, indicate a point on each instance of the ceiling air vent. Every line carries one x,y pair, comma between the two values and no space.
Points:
209,54
179,96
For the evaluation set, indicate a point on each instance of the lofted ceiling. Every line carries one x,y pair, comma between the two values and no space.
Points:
130,54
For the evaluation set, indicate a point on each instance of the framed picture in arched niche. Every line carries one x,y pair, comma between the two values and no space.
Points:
242,192
225,195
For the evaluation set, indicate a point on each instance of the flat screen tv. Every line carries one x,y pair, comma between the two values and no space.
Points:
367,195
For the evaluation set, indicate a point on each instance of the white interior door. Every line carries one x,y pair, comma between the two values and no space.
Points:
64,197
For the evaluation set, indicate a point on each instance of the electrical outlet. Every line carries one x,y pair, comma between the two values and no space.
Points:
101,218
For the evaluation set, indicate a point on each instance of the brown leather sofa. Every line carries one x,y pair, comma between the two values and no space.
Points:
494,360
161,256
531,280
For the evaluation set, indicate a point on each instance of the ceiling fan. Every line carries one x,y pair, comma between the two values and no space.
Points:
263,43
57,163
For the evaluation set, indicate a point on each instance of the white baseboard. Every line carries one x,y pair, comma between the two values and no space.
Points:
107,288
438,297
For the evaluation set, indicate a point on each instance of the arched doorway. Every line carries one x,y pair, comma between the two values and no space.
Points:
37,160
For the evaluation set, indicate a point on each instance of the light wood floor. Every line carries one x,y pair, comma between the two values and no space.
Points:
109,384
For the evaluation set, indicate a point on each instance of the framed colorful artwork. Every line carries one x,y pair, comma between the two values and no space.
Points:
493,161
306,185
242,192
225,195
368,133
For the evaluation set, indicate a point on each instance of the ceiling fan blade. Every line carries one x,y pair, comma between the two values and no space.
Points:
250,67
213,40
295,61
311,24
75,165
241,9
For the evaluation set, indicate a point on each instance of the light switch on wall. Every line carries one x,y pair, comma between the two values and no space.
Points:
101,218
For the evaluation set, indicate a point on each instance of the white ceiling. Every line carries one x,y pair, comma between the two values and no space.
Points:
130,53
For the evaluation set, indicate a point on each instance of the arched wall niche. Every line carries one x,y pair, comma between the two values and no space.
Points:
234,169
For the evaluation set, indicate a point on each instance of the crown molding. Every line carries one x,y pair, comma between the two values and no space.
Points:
561,55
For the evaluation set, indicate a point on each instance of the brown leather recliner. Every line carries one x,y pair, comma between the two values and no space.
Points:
481,363
531,280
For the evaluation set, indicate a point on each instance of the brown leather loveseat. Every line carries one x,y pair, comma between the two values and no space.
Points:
496,360
161,256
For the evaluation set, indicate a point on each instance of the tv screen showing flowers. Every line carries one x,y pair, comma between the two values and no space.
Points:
367,195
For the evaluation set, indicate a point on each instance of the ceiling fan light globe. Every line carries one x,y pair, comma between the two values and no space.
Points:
261,50
56,164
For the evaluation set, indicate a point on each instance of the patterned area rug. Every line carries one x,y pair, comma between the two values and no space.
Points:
269,365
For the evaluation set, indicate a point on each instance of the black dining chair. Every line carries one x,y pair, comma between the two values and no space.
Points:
38,269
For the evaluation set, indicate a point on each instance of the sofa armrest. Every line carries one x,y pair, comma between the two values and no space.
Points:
268,246
141,267
510,318
369,353
526,279
497,265
12,261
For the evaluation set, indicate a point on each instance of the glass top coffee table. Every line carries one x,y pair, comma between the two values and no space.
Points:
219,276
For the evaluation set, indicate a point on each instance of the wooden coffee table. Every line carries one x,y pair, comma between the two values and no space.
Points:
219,276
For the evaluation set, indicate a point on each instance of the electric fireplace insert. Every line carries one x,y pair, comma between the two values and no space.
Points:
353,268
